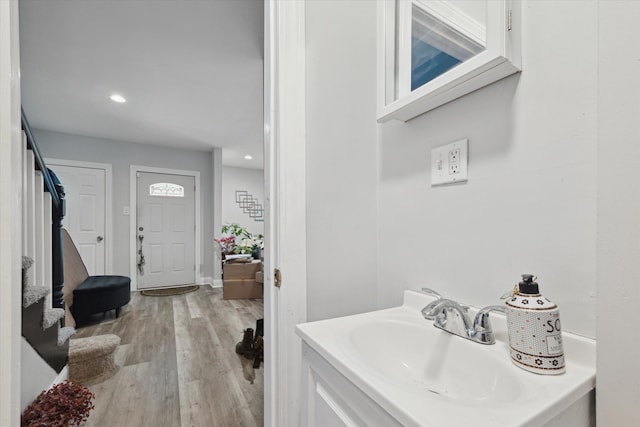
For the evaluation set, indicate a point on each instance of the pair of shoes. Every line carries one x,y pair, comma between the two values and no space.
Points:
260,328
253,347
258,345
245,347
258,352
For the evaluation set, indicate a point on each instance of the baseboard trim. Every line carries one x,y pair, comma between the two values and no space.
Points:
216,283
205,280
62,376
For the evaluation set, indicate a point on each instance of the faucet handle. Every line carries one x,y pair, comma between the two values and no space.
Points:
439,306
431,292
435,294
481,324
432,309
482,318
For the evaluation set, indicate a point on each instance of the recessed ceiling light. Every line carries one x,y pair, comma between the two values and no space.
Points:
248,157
117,98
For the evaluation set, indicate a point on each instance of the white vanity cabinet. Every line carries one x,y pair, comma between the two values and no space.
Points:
330,399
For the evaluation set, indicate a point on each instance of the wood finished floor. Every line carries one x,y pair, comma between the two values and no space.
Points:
178,365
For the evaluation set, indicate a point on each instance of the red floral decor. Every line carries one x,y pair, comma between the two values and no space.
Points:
228,244
63,405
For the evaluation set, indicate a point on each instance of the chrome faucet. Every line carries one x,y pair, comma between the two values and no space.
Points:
452,317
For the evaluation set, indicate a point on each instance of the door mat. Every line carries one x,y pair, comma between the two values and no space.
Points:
167,292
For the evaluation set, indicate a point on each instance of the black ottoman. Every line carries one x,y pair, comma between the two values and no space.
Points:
98,294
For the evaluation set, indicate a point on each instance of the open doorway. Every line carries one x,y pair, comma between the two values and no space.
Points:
189,79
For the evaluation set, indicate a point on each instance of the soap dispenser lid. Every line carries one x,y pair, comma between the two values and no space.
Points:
528,285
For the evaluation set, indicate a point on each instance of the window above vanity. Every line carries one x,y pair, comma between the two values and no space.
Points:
431,52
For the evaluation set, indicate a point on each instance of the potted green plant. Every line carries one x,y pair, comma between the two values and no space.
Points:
64,405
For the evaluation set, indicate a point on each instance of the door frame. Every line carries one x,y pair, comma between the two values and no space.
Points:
108,202
10,215
133,212
285,214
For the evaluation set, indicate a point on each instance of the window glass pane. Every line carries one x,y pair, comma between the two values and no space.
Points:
166,189
436,46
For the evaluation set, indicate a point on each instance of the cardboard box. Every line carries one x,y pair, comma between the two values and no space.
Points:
241,289
234,271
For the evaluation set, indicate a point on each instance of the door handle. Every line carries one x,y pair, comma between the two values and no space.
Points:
100,239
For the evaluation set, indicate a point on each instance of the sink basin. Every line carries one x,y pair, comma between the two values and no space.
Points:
402,353
424,376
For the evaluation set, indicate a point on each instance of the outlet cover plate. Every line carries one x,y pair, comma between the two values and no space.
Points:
449,163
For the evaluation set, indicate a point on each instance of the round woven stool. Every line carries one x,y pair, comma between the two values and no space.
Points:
92,357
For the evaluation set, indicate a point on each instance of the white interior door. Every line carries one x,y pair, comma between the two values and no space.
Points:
85,192
165,227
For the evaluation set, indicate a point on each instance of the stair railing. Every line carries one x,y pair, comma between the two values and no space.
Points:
56,190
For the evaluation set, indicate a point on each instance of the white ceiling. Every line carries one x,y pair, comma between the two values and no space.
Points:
191,71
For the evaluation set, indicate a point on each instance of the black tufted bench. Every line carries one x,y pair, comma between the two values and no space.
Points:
98,294
85,295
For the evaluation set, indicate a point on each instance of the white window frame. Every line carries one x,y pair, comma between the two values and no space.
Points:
167,185
500,59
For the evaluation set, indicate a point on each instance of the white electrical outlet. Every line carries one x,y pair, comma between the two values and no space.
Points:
454,161
449,163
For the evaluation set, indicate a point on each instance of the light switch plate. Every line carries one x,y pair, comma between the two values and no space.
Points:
449,163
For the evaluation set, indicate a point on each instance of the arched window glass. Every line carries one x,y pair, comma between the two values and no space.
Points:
166,189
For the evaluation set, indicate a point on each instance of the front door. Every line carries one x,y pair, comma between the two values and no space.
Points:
85,194
165,229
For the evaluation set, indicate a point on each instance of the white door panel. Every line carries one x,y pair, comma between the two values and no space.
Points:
85,190
166,221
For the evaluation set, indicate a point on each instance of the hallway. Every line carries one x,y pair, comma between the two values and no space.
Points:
178,365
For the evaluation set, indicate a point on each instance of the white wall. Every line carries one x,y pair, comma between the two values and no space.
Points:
250,180
618,213
37,375
341,158
121,155
530,203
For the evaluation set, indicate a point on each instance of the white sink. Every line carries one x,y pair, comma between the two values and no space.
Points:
424,376
402,353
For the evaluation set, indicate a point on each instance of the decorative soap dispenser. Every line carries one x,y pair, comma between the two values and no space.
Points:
535,337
